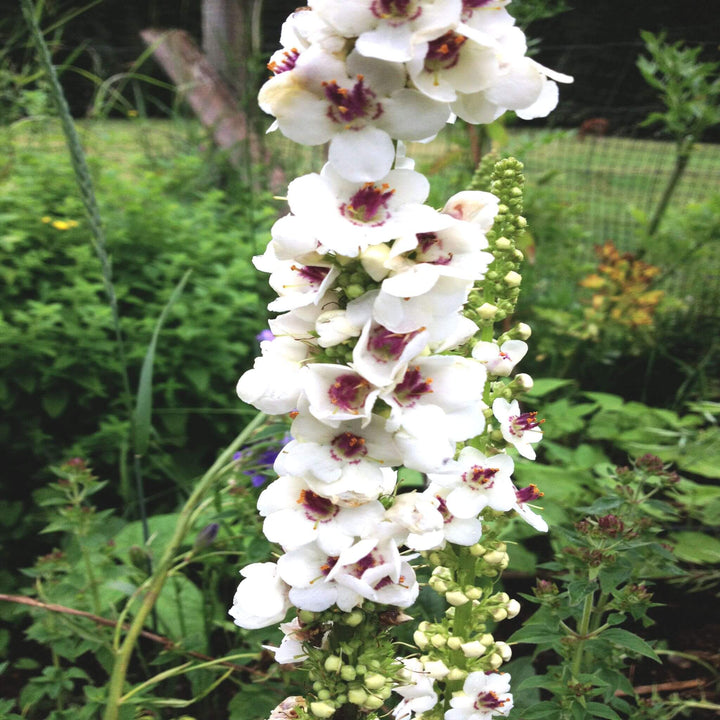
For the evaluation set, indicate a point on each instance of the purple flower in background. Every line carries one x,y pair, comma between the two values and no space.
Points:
265,335
262,461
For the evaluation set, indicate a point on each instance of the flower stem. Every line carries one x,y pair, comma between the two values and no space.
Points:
124,652
582,632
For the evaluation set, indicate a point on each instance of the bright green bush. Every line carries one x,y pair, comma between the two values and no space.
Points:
60,380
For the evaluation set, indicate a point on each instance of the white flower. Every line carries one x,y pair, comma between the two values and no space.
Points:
459,531
336,393
454,384
484,695
418,695
375,570
500,360
424,442
381,355
430,301
261,598
306,571
275,382
420,523
291,649
299,285
360,105
388,29
525,496
326,452
295,515
518,429
451,64
478,482
349,215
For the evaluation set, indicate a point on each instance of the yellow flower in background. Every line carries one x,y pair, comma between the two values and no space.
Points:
62,224
46,219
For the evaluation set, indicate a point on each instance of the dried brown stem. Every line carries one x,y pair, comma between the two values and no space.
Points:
165,641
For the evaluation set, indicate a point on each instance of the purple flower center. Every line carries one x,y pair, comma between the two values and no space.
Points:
527,494
412,387
488,701
430,250
347,106
524,422
444,53
385,345
480,478
317,508
404,10
443,510
349,392
287,63
369,205
312,273
348,447
328,565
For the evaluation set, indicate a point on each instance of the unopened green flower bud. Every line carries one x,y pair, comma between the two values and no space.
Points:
333,663
324,694
487,639
354,291
487,311
456,674
504,650
495,661
357,696
513,279
501,597
437,640
373,702
513,608
503,243
424,626
473,649
499,614
322,709
435,558
420,639
438,585
456,598
375,681
318,686
347,673
516,192
442,572
306,616
353,619
518,255
385,692
477,550
521,221
373,261
524,381
474,593
454,643
341,699
436,669
494,557
360,669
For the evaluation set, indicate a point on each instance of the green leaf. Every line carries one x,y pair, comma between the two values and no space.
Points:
143,407
54,403
602,711
696,547
630,641
545,386
578,590
542,710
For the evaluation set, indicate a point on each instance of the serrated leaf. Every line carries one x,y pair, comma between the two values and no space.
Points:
630,641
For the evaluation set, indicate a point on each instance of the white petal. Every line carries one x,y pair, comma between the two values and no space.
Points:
362,155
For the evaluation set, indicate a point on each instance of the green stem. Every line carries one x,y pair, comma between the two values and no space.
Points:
582,632
681,160
124,652
97,605
85,185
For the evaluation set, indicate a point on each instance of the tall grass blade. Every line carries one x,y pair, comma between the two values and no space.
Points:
143,407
